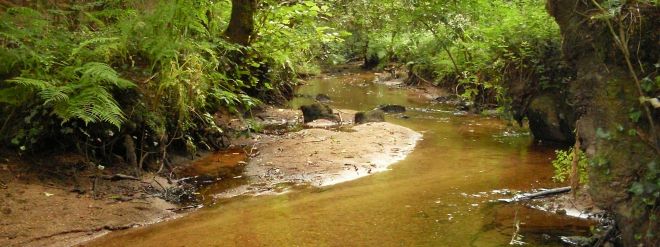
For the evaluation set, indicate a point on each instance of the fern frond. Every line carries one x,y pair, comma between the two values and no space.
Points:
97,73
55,94
93,41
30,83
91,104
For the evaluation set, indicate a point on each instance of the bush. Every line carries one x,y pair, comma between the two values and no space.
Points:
563,164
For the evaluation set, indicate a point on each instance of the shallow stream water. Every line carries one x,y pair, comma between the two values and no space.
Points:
440,195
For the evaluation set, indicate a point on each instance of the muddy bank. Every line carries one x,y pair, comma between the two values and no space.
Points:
41,204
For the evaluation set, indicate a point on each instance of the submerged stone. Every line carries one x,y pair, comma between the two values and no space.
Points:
317,111
392,108
324,98
369,117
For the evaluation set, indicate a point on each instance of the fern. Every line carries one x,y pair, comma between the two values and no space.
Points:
100,73
91,104
87,97
109,44
31,83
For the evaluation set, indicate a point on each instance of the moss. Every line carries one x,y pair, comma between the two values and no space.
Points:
603,94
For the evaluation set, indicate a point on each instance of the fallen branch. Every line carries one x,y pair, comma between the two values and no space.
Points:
529,196
117,177
183,208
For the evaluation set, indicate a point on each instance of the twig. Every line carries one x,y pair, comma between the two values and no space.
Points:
605,237
575,181
313,141
183,208
116,177
6,123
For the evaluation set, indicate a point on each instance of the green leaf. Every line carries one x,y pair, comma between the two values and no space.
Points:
637,189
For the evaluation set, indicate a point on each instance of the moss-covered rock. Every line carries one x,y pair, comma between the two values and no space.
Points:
369,117
317,111
550,119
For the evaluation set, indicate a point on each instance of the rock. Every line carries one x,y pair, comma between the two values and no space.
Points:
323,98
317,111
449,100
549,121
369,117
577,240
321,124
392,108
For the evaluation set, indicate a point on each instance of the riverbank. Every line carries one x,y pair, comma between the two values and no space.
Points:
278,152
57,201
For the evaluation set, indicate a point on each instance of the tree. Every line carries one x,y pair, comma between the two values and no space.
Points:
241,24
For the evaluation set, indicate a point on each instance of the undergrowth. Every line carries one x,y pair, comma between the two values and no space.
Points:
102,77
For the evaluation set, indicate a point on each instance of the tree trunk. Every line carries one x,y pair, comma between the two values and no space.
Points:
603,94
241,24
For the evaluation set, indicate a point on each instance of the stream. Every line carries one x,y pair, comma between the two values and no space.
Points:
440,195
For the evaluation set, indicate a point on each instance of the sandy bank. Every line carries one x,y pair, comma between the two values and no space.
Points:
321,157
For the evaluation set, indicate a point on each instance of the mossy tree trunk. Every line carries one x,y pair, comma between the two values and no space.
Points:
618,137
241,24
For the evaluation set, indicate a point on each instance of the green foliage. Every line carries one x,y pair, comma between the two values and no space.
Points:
648,187
290,35
162,67
563,164
85,93
471,47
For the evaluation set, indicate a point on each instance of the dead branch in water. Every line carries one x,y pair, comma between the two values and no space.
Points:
529,196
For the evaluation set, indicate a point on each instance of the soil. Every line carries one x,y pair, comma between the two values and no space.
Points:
50,202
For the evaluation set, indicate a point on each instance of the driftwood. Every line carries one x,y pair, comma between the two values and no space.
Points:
528,196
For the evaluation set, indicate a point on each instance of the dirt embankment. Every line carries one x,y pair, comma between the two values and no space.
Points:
55,201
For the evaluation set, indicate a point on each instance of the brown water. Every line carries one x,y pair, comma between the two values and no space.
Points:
438,196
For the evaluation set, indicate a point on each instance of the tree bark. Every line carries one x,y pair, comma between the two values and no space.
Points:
603,94
241,24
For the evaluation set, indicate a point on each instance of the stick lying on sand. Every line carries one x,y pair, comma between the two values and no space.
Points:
528,196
